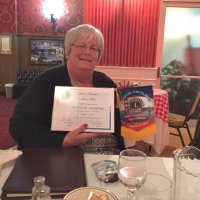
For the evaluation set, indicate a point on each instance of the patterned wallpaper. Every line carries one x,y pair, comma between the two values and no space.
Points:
7,16
31,20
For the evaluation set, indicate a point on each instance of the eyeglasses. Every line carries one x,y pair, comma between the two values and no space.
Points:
83,47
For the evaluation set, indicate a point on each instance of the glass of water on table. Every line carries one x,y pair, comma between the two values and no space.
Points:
132,171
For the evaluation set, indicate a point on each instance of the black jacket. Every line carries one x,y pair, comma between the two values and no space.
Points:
30,124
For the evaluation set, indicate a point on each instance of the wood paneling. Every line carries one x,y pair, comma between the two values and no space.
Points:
25,20
8,66
20,58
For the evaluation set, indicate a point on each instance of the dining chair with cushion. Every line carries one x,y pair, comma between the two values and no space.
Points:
178,122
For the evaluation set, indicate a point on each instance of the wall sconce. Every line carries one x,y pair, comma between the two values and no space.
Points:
53,18
54,9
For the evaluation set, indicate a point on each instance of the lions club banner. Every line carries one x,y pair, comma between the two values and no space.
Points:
137,112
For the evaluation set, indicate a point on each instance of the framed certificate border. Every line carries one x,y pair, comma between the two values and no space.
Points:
74,106
5,44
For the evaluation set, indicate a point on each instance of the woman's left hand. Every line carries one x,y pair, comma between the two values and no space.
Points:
78,136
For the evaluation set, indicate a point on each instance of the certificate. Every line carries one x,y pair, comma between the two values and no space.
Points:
74,106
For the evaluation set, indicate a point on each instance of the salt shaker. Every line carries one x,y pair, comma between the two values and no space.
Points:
39,181
44,193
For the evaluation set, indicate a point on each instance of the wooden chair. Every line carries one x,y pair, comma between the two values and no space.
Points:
180,121
197,126
196,139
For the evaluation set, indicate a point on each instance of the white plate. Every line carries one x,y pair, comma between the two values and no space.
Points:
83,193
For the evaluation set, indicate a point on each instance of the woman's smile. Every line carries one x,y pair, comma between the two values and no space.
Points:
86,59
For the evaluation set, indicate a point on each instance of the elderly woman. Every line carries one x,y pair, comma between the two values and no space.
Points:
30,124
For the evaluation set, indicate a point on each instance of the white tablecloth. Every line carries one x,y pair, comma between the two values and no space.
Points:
159,165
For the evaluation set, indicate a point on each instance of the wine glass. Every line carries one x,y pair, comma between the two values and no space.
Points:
131,170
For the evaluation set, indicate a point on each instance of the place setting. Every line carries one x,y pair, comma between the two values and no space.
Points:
131,175
124,178
140,184
90,193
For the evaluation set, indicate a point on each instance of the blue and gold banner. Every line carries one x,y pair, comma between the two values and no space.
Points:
137,112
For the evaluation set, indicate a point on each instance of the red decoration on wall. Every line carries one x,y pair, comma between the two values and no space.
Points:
7,16
31,20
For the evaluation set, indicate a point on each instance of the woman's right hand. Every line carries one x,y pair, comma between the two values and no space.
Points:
78,136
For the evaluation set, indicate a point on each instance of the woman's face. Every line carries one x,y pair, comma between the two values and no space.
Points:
83,55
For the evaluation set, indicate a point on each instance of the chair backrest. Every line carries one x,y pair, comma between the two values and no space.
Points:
193,104
196,139
197,128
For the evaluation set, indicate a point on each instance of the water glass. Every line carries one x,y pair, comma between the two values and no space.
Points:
156,187
132,171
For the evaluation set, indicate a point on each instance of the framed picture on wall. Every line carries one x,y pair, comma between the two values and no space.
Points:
5,44
47,51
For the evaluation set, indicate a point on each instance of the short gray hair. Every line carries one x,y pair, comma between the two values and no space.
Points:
84,31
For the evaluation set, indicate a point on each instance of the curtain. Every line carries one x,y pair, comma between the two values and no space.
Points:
129,28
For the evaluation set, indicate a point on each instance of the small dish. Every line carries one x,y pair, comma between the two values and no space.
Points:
83,193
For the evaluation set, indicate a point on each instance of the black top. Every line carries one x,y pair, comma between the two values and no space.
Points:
30,124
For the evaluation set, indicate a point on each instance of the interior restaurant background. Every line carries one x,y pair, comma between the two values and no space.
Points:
130,27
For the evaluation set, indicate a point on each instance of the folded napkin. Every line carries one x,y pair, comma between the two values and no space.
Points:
8,155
